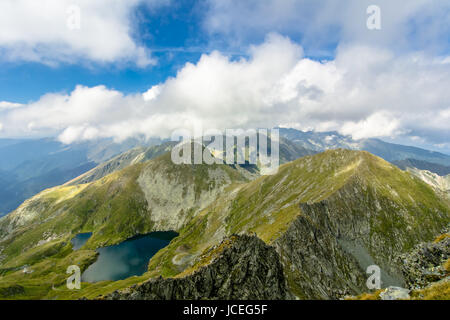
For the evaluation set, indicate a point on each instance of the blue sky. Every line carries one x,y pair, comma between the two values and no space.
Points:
174,33
167,31
152,66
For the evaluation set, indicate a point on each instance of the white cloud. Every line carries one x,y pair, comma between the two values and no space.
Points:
43,31
152,93
9,105
379,124
323,23
365,92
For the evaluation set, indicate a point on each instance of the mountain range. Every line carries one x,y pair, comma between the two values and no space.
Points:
30,166
320,141
309,231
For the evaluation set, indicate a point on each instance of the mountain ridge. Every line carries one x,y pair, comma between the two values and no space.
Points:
270,235
319,202
30,166
321,141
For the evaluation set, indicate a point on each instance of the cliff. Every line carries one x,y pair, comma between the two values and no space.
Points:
241,267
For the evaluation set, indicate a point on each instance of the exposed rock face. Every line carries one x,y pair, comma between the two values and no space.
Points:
246,268
133,156
394,293
439,183
426,269
425,263
315,264
327,250
170,197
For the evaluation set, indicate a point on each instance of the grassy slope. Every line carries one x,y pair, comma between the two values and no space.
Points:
269,204
113,208
266,206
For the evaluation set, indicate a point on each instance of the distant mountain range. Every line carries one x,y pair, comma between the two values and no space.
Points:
321,141
438,169
30,166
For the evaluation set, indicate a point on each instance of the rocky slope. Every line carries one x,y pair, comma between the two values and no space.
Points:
327,217
439,183
133,156
426,263
152,196
241,267
426,270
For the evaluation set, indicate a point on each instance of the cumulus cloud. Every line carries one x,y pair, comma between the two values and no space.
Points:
9,105
152,93
379,124
53,31
363,92
319,24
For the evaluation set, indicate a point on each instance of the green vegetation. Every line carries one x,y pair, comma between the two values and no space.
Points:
437,291
399,210
113,208
357,186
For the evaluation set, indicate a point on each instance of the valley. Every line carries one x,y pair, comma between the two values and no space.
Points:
304,232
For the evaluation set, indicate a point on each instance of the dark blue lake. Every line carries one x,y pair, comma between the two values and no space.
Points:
126,259
80,239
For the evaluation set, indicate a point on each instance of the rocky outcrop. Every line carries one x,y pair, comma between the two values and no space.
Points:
440,183
133,156
395,293
328,249
315,264
426,270
172,196
425,263
242,267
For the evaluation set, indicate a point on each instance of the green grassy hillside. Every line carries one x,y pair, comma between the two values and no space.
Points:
306,211
366,200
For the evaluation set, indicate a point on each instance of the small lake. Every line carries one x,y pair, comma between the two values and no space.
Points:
126,259
80,240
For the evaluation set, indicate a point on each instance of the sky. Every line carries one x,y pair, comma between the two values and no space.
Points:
80,69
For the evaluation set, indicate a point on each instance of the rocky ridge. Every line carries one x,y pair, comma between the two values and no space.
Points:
241,267
326,217
426,270
426,263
